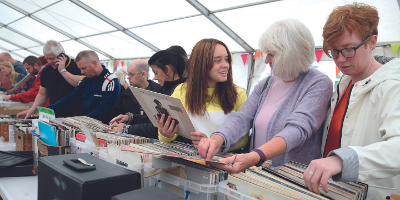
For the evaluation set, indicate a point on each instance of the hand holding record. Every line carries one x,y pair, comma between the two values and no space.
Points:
237,163
166,127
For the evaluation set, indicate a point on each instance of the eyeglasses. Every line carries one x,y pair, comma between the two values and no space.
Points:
346,52
129,74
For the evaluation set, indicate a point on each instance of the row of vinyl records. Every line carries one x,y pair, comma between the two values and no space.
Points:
57,132
262,183
287,183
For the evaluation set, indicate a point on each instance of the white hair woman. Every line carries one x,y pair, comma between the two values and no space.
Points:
285,111
121,78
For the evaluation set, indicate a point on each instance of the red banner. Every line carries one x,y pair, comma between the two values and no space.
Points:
244,58
318,54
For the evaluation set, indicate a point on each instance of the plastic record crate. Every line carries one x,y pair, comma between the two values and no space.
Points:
227,193
192,190
81,147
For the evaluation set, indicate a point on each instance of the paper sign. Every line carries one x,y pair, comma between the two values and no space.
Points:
46,114
11,134
90,137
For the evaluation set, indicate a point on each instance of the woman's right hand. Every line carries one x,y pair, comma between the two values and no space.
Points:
120,119
209,147
168,129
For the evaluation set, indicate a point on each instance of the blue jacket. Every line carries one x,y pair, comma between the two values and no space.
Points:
95,103
19,68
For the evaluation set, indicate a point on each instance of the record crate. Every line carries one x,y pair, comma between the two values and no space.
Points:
227,193
184,188
23,136
48,150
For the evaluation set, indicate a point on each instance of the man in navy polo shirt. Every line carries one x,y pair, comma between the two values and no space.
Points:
98,91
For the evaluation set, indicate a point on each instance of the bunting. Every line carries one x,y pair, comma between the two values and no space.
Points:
395,48
127,63
116,64
318,54
122,63
244,59
257,54
337,70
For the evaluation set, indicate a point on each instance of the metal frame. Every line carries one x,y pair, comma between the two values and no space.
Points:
12,52
115,25
214,19
22,48
197,5
54,28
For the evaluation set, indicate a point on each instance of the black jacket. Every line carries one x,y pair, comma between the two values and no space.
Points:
141,125
128,103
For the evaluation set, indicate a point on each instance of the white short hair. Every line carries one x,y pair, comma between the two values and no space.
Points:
292,45
53,47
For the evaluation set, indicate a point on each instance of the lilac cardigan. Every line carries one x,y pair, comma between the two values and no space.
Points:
298,120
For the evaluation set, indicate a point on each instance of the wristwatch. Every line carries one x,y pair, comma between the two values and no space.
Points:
262,157
63,70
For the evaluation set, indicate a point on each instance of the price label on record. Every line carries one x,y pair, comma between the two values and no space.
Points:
46,114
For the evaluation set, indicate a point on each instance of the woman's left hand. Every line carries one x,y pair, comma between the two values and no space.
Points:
239,164
196,137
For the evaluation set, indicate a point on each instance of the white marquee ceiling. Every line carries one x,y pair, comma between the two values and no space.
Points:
126,29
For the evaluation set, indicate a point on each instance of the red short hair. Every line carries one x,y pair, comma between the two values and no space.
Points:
360,18
43,60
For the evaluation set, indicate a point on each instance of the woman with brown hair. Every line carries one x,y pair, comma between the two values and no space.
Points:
8,70
208,94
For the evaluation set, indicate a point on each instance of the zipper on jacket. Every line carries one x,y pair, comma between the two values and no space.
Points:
344,115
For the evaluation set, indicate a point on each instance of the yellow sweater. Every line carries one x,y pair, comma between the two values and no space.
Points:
214,116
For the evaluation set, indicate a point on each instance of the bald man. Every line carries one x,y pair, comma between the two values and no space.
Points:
138,73
18,66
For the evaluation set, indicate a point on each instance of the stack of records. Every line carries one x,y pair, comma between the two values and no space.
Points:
92,124
288,183
196,172
161,148
122,139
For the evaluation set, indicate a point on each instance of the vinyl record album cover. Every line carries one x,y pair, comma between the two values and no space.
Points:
156,104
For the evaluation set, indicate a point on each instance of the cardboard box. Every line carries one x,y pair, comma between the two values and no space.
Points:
57,180
23,140
48,150
27,168
12,110
4,130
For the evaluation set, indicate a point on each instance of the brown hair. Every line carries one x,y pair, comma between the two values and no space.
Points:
199,65
360,18
13,74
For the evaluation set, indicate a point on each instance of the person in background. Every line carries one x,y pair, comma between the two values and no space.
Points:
57,80
8,70
361,133
208,95
285,111
34,67
178,50
138,73
98,90
168,69
18,66
121,79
